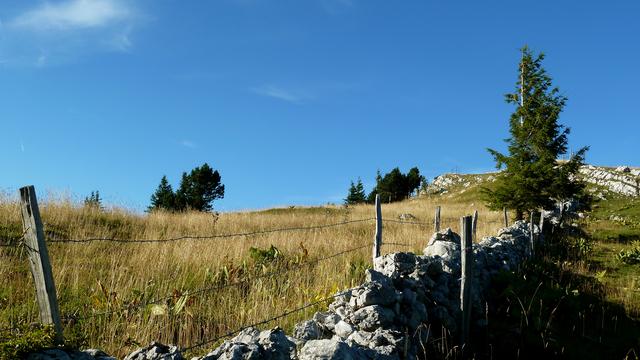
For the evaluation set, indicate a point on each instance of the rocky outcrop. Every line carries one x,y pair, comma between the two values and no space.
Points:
444,183
621,181
602,181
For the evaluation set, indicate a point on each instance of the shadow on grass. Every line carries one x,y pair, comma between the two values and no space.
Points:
549,310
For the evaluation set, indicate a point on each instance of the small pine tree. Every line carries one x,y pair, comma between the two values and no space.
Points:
356,194
93,200
532,176
163,198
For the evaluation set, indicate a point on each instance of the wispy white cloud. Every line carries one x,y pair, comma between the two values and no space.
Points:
72,14
280,93
188,144
63,31
41,61
121,41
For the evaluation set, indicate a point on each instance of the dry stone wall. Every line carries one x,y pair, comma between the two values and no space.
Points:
387,316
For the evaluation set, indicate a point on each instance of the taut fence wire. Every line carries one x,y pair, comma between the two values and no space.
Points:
206,237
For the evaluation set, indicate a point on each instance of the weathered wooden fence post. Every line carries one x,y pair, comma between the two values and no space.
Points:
541,228
467,263
531,235
506,217
475,223
39,260
377,240
436,221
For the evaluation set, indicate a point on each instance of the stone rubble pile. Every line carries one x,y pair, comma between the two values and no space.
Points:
388,316
156,351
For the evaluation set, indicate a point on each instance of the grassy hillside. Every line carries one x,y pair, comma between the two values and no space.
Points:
581,304
614,225
103,277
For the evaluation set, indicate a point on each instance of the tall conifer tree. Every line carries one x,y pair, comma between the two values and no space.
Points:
533,177
356,194
163,198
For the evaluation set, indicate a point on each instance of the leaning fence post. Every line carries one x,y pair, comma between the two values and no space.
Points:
377,240
467,264
506,217
531,235
436,221
475,223
39,260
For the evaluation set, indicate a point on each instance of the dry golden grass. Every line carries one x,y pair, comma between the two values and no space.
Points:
97,277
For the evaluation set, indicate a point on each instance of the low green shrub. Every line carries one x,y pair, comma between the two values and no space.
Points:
632,255
16,344
261,256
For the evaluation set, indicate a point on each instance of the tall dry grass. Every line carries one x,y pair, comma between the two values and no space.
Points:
103,277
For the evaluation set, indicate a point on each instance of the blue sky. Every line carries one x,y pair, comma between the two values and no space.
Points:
290,100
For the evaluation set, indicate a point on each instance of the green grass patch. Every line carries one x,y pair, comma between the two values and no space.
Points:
548,309
24,339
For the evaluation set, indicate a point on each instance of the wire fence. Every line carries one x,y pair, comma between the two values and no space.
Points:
214,288
406,222
19,242
16,242
206,237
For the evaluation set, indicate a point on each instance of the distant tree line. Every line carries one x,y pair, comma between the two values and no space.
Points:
197,191
393,186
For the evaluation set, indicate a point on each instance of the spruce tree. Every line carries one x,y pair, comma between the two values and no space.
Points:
532,176
356,194
164,197
183,194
